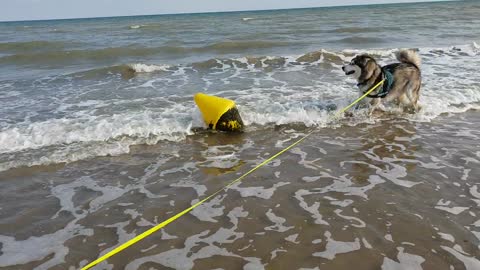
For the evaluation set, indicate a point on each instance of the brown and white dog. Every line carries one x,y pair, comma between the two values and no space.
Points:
402,80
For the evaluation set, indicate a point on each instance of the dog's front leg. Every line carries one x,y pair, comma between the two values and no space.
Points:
375,104
362,104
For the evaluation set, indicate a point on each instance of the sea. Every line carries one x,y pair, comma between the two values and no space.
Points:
100,140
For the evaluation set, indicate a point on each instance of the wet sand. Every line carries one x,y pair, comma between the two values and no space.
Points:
393,194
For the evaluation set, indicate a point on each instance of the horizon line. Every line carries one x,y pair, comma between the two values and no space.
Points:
236,11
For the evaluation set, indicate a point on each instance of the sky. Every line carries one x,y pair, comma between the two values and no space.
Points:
16,10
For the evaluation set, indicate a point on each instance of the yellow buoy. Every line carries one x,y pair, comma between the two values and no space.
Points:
219,113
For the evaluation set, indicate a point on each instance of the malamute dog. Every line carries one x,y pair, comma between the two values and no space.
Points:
402,80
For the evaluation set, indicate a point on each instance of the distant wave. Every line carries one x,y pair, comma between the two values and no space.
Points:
230,46
151,26
34,45
134,26
353,30
359,40
148,68
247,19
328,58
126,71
59,57
67,56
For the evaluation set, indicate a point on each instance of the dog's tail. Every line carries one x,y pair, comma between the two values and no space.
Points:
410,57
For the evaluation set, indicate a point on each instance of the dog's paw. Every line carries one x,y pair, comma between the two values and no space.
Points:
376,111
412,109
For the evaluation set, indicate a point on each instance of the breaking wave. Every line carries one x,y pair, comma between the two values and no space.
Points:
28,56
270,99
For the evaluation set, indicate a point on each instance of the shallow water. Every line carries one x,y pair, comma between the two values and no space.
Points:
99,142
393,194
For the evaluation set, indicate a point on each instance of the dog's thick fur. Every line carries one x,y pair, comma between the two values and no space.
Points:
407,79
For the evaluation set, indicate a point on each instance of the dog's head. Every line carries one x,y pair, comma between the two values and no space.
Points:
360,66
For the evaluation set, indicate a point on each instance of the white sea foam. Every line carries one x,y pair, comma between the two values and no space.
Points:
184,258
292,238
313,209
447,237
452,210
470,263
333,247
359,223
259,192
136,26
405,261
209,210
37,248
279,221
138,67
76,139
66,131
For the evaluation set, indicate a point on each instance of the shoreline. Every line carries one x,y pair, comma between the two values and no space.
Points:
324,191
137,148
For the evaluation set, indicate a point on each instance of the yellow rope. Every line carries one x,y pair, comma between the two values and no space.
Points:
360,98
170,220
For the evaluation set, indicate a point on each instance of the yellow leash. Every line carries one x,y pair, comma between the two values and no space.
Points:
170,220
360,98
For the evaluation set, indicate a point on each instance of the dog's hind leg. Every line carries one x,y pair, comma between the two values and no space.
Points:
416,96
406,103
413,94
409,102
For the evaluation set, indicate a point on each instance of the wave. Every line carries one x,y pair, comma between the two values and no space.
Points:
271,62
354,30
247,63
126,71
35,45
330,59
70,140
150,26
67,140
145,125
68,56
359,40
136,26
270,102
145,68
230,46
26,57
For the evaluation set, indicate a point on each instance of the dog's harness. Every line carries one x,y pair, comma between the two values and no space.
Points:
387,85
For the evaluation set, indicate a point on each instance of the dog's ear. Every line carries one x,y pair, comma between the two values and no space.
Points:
363,60
370,63
369,67
368,59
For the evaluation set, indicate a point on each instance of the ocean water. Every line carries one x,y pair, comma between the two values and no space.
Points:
100,140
